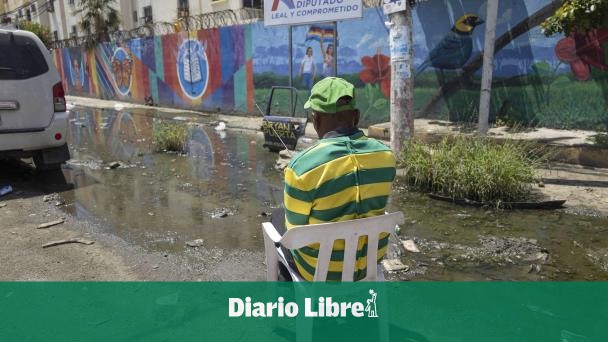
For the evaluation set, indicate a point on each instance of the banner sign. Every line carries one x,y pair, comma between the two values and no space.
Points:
407,311
296,12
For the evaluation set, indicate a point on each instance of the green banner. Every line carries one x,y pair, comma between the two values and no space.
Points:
289,312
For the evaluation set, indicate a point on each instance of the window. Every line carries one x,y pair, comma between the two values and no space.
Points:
20,13
28,15
74,32
148,14
252,3
50,6
183,8
71,2
20,58
135,17
55,35
33,8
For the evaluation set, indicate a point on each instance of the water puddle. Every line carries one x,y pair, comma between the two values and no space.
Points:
224,187
217,192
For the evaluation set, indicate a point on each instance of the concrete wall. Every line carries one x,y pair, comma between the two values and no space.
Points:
557,82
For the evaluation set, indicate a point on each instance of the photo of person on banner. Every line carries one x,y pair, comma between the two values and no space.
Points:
324,34
308,70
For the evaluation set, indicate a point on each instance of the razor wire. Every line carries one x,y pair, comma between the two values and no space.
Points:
184,24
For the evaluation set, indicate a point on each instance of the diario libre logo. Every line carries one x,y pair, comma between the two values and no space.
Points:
324,307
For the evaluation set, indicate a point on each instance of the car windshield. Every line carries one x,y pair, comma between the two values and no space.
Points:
20,58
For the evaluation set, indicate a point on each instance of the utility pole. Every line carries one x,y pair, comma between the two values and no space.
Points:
488,67
402,82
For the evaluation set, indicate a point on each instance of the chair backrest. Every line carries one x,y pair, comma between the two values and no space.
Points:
350,231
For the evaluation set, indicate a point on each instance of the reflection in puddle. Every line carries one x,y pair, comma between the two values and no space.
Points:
165,199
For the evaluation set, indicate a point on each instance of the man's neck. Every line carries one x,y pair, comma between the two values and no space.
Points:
340,132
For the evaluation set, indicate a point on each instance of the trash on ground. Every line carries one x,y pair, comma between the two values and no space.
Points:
2,205
410,246
283,160
195,243
114,165
221,126
5,190
394,265
221,213
50,224
68,241
51,197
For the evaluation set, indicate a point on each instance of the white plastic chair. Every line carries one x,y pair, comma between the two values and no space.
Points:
325,234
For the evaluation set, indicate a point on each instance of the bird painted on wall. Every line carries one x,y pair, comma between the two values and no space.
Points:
455,49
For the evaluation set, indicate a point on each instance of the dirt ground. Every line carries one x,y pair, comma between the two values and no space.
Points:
24,259
584,188
110,258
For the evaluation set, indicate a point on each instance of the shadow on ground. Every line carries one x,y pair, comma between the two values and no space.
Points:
27,182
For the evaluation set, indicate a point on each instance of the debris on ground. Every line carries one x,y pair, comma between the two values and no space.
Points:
410,246
220,126
195,243
394,265
5,190
222,212
264,214
114,165
68,241
283,160
51,197
50,224
2,205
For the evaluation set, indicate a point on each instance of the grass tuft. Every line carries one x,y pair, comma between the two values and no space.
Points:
169,136
478,169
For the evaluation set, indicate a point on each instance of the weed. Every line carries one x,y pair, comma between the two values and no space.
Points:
169,136
478,169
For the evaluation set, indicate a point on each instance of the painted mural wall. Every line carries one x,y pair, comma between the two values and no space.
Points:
553,82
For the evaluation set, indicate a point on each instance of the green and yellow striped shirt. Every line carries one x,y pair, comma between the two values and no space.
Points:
337,179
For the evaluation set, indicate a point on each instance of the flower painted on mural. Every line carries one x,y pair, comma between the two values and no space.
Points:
582,51
377,70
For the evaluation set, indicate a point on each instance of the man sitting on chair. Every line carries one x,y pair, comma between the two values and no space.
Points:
344,176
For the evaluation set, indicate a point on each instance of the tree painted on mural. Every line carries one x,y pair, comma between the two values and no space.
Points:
99,18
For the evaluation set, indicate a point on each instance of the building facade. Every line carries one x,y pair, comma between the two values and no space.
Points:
59,16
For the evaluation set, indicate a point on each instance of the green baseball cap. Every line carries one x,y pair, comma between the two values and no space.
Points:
331,95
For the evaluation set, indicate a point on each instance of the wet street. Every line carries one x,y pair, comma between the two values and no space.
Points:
225,186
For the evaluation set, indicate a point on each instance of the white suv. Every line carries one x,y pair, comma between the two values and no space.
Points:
33,115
